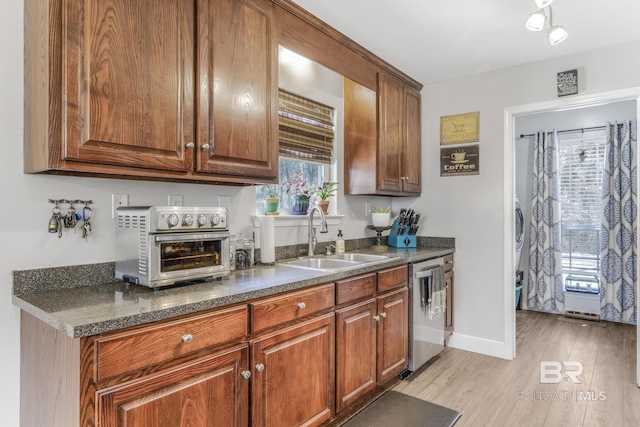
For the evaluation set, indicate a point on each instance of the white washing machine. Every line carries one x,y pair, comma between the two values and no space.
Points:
519,232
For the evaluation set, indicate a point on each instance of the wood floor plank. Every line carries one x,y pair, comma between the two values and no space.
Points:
494,392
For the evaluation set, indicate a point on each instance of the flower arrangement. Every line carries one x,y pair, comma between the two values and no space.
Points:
326,190
297,186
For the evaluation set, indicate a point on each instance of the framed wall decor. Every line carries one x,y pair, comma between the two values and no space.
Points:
567,82
456,161
460,128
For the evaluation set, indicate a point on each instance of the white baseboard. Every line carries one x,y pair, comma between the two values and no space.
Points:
477,345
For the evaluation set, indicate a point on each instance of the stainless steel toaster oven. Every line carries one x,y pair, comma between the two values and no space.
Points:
163,245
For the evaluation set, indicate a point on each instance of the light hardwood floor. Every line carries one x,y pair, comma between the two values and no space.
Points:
493,392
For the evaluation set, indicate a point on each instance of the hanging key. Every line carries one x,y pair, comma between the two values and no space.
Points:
86,229
56,222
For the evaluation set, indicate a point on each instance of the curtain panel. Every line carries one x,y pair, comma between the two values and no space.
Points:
545,285
619,233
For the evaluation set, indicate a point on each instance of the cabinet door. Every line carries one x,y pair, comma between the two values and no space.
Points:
200,394
393,334
294,375
411,145
355,352
128,83
448,281
238,89
390,134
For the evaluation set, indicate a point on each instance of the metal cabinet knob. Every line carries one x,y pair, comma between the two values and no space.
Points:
376,318
204,146
383,315
187,338
301,305
246,375
189,145
259,367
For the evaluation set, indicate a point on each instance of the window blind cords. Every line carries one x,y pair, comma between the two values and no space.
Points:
306,129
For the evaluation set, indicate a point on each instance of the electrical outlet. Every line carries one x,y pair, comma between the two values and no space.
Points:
367,208
118,200
175,199
224,201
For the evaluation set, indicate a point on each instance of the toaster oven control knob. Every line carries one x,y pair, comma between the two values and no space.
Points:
173,220
187,220
202,220
215,220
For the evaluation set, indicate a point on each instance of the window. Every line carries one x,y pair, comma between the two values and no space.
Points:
581,164
306,133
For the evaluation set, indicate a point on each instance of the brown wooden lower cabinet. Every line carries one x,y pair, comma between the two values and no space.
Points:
355,352
393,334
209,390
448,281
294,375
371,345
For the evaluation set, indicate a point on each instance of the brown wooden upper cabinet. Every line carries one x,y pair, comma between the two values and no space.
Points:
382,138
153,89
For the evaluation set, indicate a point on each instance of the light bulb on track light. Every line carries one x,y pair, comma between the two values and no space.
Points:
536,20
556,34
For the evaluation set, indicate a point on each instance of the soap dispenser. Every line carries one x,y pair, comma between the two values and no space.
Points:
340,243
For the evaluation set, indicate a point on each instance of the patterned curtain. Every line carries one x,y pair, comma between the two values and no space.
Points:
619,233
545,288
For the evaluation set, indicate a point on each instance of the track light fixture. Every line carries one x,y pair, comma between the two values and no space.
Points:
537,19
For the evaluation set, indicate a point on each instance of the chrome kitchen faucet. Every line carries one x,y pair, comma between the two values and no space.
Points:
312,231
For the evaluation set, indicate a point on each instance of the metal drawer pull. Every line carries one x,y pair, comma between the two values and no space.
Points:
205,146
259,367
190,145
384,315
376,318
246,375
187,338
301,305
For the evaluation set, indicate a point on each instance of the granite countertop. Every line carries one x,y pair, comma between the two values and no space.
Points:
80,310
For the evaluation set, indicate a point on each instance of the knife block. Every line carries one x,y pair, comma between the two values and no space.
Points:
403,240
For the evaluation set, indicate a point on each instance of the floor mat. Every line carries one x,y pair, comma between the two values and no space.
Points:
396,409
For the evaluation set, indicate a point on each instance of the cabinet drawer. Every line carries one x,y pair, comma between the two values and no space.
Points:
448,263
281,309
127,351
355,288
392,278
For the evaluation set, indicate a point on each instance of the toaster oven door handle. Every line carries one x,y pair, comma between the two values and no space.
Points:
190,237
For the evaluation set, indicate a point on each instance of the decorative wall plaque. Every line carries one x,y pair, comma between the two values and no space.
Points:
460,128
568,82
460,160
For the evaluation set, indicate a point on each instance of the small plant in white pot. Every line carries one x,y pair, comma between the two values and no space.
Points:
380,216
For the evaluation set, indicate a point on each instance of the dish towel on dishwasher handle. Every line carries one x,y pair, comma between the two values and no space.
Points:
433,293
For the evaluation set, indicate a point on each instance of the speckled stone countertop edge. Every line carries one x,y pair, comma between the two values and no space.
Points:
76,322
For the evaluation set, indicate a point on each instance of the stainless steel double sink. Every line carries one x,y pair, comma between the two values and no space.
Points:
333,262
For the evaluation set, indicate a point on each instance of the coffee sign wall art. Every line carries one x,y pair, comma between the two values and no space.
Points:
460,128
456,161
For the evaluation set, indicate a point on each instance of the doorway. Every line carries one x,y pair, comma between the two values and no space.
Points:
511,139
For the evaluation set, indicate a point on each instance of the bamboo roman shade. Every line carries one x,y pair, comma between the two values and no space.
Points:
305,127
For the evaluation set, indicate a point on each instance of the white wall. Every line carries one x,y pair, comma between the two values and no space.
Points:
471,208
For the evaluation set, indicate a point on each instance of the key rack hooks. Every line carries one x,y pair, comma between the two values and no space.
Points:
59,221
71,202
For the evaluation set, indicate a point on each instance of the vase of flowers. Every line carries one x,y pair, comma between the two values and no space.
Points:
300,193
323,192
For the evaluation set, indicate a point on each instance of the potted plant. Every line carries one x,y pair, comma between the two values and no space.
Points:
323,192
299,190
380,216
271,199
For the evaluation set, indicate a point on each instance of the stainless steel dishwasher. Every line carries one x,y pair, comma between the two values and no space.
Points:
426,336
